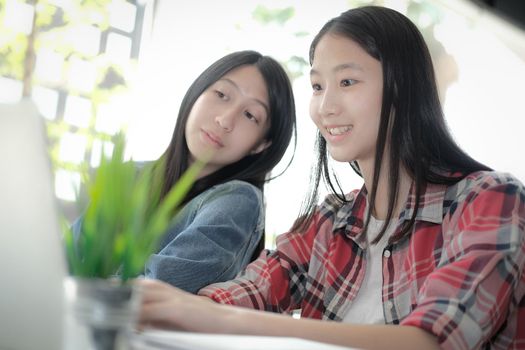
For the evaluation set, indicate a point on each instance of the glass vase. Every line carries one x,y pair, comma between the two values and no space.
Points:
102,312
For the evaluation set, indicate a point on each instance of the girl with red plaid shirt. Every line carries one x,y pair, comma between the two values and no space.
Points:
429,253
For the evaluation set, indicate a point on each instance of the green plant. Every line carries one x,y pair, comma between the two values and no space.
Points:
124,220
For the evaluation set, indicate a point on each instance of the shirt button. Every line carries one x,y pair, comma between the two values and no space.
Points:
389,305
387,253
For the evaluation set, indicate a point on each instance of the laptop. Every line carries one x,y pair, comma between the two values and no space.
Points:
31,255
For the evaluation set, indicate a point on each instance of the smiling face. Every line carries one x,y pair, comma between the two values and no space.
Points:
229,119
346,101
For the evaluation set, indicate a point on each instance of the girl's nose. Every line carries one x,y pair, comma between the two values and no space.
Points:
225,121
328,105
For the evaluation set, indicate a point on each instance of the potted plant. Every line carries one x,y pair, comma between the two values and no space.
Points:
120,229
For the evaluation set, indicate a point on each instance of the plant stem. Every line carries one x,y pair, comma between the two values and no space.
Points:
30,56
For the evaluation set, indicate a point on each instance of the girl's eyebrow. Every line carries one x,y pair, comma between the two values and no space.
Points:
340,67
252,98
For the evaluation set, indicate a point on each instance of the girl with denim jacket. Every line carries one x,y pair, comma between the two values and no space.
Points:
238,117
429,253
241,111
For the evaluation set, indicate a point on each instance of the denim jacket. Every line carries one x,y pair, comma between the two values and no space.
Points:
211,239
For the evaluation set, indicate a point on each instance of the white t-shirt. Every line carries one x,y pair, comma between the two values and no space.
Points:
367,307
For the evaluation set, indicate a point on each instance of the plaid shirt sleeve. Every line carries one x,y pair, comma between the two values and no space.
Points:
477,290
273,282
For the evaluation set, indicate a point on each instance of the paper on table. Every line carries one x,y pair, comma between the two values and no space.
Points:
169,340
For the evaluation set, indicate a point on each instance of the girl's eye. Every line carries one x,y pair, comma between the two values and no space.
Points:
316,87
220,94
251,117
348,82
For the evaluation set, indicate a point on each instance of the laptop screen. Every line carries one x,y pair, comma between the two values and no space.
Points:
31,254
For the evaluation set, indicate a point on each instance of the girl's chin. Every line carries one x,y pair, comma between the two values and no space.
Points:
340,155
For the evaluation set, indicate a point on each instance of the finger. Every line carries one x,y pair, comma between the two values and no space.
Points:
154,291
153,295
157,325
154,313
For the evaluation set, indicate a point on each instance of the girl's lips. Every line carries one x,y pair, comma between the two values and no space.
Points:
212,138
339,130
336,134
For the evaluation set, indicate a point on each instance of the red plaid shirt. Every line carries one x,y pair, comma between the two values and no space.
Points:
459,275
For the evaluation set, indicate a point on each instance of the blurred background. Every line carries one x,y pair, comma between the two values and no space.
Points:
94,67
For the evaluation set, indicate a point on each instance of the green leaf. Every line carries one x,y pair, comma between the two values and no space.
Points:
266,15
123,222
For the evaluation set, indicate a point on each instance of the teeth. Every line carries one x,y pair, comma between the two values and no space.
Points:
339,130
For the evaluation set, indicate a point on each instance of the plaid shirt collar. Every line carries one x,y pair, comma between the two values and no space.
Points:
430,210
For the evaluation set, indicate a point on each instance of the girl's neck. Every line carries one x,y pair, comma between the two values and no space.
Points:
206,170
380,209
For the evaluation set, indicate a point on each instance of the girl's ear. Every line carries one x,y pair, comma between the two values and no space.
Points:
261,147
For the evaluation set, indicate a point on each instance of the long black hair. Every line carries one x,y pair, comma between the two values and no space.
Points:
254,168
411,114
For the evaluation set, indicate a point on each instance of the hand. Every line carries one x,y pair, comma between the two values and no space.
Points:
164,306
